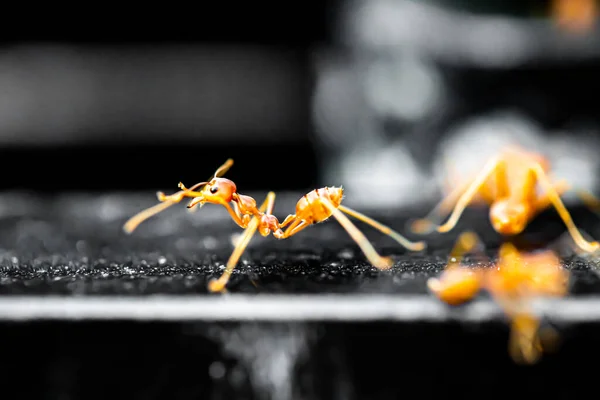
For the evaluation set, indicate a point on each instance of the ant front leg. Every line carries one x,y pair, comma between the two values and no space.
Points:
235,213
218,285
463,196
165,202
493,166
455,189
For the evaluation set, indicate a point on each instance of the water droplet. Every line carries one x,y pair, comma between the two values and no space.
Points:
235,238
162,260
80,245
210,242
216,370
346,254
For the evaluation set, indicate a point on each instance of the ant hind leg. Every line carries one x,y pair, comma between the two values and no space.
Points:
386,230
367,248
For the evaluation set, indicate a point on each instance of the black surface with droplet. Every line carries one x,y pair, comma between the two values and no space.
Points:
75,245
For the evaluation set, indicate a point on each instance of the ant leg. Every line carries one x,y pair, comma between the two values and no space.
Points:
471,191
414,246
562,211
458,284
237,217
444,207
524,342
218,285
296,226
287,220
367,248
166,202
562,186
440,211
590,200
466,243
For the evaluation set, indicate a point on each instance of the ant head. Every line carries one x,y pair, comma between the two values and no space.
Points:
218,191
509,217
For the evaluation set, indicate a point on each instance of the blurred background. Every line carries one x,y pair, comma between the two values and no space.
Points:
376,95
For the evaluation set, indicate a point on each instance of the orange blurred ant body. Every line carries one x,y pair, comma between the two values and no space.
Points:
575,16
514,280
508,184
314,207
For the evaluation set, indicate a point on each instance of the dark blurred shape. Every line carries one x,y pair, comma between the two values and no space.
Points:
56,95
136,103
145,117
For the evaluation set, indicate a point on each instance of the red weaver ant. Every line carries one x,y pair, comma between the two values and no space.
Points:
314,207
513,281
508,184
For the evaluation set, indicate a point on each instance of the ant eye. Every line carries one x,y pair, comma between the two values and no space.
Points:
214,189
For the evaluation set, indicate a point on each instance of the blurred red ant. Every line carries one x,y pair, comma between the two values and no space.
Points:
314,207
508,184
575,16
514,280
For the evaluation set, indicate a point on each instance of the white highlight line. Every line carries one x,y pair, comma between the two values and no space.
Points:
277,308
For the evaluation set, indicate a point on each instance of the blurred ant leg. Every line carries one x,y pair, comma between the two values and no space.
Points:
562,210
367,248
591,201
561,187
218,285
466,243
436,216
483,195
386,230
466,198
458,284
509,253
524,343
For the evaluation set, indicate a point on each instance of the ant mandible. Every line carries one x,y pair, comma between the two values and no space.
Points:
514,280
314,207
508,184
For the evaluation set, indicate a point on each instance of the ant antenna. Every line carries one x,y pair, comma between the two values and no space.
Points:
224,168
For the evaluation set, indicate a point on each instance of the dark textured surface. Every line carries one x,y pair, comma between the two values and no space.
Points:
75,245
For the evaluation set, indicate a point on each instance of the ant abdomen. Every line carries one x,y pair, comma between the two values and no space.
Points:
311,208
